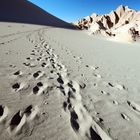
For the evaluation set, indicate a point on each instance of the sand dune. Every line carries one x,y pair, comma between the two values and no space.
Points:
62,84
25,12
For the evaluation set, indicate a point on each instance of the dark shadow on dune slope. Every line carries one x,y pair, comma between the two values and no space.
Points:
23,11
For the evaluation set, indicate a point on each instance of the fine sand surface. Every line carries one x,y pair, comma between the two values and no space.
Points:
60,84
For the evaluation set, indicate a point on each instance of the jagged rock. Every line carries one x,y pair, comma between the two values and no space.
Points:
135,34
123,21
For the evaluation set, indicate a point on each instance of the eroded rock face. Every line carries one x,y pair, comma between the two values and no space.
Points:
134,33
123,19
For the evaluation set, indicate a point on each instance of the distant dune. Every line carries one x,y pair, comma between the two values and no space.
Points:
22,11
123,24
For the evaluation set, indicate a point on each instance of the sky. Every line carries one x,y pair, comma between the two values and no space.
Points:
73,10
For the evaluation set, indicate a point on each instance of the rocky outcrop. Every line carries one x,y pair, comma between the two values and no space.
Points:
121,21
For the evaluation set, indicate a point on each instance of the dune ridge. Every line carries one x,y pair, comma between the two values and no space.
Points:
25,12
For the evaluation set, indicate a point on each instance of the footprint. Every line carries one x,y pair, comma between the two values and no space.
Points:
94,135
98,75
31,112
32,65
39,58
134,106
28,58
39,88
74,90
64,105
20,86
3,113
12,66
73,120
32,54
38,74
120,87
82,85
94,68
105,93
60,80
95,85
100,121
1,110
111,85
71,94
125,117
16,86
26,64
2,43
115,102
17,122
17,73
28,110
39,84
62,89
117,86
44,64
35,89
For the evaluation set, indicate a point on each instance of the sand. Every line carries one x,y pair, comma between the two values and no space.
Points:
26,12
59,83
62,84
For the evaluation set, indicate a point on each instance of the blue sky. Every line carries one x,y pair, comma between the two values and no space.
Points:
72,10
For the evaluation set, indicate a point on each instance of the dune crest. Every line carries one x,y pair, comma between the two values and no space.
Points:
23,11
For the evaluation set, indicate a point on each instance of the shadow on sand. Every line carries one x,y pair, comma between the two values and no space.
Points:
23,11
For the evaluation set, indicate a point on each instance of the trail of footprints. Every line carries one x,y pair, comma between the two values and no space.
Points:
80,120
73,104
19,119
118,87
67,91
22,117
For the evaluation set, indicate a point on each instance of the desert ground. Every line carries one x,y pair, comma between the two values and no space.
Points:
58,84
